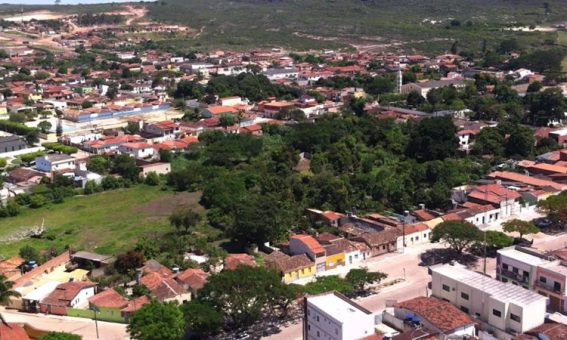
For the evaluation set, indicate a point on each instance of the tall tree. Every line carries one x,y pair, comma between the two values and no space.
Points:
184,220
432,139
157,320
361,277
458,234
556,208
519,226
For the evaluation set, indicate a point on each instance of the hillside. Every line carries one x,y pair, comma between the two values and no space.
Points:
407,24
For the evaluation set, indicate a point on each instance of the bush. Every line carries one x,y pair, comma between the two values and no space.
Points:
152,179
37,201
61,148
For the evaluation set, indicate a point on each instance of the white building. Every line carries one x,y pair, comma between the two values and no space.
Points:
139,150
505,309
332,316
518,265
54,162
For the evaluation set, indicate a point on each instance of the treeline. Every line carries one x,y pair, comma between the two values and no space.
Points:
99,19
31,134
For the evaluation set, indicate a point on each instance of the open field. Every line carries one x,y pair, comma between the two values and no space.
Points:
107,222
562,40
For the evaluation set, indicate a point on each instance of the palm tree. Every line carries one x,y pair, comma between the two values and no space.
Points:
6,291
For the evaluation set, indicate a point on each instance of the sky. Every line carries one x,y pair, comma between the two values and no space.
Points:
63,2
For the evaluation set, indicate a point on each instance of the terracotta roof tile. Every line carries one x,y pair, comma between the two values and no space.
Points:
440,314
109,299
232,261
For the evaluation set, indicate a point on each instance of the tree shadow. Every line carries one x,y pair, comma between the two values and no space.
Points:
446,255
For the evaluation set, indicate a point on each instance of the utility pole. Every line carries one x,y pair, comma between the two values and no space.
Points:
484,260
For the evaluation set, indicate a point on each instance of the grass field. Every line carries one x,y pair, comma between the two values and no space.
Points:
562,40
107,222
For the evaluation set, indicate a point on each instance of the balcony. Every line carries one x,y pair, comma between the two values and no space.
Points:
548,287
514,276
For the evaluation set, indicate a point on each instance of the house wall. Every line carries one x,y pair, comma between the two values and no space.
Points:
299,274
509,274
320,325
353,257
333,261
44,164
483,306
296,247
81,299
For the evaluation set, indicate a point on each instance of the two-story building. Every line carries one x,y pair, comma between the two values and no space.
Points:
519,265
55,162
308,245
503,308
551,279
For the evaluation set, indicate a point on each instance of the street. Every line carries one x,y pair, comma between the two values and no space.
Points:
83,327
416,277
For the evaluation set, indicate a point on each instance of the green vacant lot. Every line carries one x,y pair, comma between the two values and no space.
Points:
107,222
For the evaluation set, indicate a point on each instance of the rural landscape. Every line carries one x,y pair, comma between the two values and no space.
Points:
283,169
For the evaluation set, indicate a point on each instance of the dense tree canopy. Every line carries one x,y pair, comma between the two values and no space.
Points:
458,234
157,320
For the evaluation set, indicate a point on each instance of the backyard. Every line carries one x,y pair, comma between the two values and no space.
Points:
107,222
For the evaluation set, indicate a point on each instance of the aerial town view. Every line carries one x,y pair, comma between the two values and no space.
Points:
283,169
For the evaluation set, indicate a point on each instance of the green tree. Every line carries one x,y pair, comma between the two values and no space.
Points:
519,226
6,292
125,166
152,179
128,261
489,142
458,234
184,220
44,126
415,99
202,318
60,336
361,277
432,139
29,253
155,320
498,240
99,164
132,128
243,294
227,120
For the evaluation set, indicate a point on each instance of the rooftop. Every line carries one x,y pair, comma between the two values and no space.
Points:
522,256
339,307
440,314
505,292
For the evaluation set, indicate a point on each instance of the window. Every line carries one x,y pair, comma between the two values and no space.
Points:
465,296
504,280
465,309
317,318
318,334
446,288
504,266
515,317
497,313
556,286
515,270
526,274
542,279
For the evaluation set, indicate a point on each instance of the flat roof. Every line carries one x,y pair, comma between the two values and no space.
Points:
338,307
42,291
521,256
505,292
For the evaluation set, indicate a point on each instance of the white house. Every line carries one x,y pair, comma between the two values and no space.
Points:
54,162
414,234
281,73
503,308
138,150
336,317
518,265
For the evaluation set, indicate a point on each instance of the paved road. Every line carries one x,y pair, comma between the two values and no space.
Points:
83,327
416,277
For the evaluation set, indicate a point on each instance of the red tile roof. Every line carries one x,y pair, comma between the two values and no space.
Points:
549,331
493,193
232,261
440,314
135,304
515,177
12,331
65,293
109,299
423,215
310,242
195,279
162,288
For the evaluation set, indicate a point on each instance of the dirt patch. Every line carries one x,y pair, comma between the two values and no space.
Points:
167,204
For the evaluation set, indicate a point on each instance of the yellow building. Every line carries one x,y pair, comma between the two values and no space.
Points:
335,257
291,268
